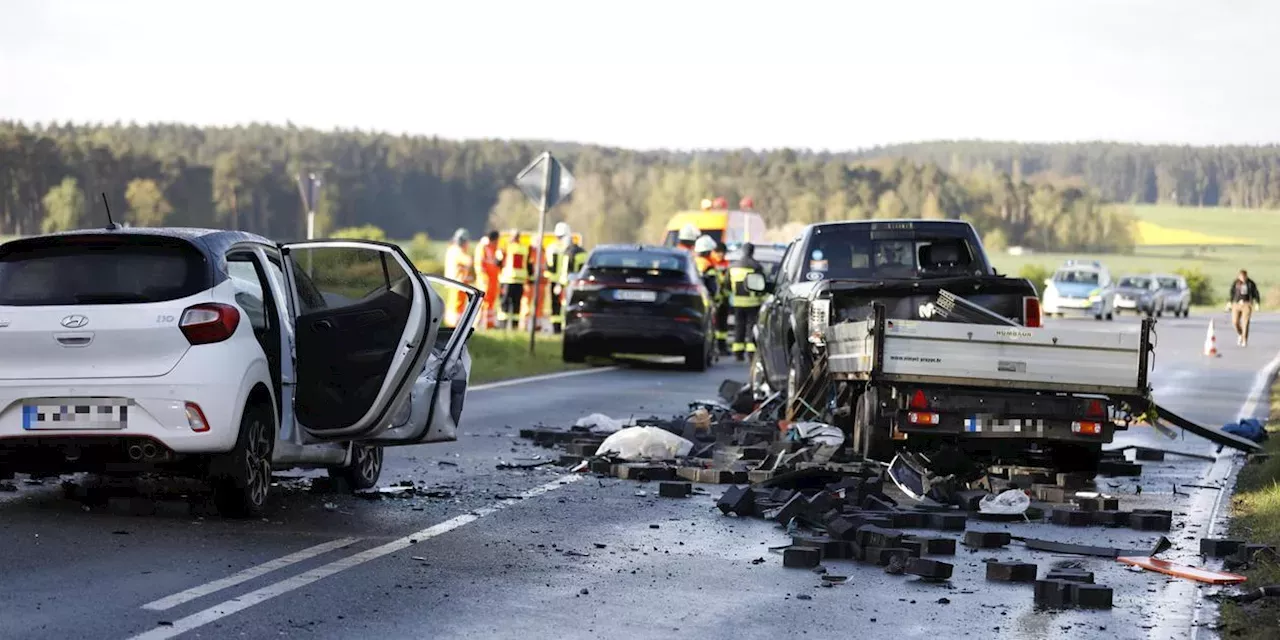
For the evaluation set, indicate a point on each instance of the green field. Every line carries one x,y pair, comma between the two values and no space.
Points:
500,355
1220,258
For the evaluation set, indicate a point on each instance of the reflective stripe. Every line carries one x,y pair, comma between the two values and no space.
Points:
751,347
514,270
739,347
740,295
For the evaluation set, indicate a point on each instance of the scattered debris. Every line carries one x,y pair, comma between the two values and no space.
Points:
525,465
1183,571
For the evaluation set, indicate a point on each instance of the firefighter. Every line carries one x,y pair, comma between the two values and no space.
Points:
722,298
707,267
487,268
516,271
564,259
745,302
458,266
687,236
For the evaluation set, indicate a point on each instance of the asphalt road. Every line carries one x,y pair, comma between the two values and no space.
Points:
532,554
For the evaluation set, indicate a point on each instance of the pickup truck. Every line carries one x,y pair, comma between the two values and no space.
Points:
902,333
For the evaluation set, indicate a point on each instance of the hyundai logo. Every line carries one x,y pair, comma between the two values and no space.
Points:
74,322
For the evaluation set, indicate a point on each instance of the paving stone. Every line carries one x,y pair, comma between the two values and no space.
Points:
1070,575
1220,547
986,539
1073,481
737,500
1111,518
1150,522
1072,517
1119,469
1090,596
929,569
603,467
947,521
936,546
915,547
794,507
675,489
1011,571
969,500
1053,594
909,519
801,557
1049,493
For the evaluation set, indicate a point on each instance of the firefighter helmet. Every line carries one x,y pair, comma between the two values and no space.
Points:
705,244
562,229
688,233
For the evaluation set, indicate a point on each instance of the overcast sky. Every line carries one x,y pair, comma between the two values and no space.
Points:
660,73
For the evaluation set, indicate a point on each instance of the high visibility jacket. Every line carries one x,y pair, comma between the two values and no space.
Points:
710,276
567,262
515,264
457,264
486,258
741,296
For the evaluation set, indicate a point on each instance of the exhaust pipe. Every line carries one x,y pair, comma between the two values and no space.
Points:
135,452
149,450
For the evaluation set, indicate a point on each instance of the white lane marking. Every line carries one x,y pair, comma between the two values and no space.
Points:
541,378
235,605
234,579
1260,389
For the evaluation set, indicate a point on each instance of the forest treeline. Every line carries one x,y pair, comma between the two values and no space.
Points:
244,177
1227,176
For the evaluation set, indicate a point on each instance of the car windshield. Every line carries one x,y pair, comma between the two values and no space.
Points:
1076,276
1168,283
859,252
100,272
1135,283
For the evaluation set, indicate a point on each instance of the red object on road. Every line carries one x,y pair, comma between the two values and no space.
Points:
1184,571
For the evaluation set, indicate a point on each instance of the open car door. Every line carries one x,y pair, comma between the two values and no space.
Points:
433,411
363,327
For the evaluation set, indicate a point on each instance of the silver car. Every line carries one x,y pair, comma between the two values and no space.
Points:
1139,294
1175,295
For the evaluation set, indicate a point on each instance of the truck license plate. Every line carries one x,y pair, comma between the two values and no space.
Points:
84,413
635,295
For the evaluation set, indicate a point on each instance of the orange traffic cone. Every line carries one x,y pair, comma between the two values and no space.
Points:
1210,342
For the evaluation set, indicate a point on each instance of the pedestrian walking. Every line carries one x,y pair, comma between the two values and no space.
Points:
1244,301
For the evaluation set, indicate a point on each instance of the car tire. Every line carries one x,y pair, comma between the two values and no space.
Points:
696,359
364,470
241,478
1111,316
571,352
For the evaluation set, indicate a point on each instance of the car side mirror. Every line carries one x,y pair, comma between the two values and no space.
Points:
756,283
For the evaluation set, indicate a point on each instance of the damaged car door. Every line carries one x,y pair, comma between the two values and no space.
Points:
363,330
433,410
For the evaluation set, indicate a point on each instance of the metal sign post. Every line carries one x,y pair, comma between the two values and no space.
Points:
309,190
546,182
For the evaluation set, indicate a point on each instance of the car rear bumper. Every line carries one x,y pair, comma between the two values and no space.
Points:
605,334
153,412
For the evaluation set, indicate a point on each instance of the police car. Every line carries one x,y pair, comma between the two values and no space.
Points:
1080,288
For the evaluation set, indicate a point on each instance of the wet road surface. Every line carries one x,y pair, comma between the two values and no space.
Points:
530,554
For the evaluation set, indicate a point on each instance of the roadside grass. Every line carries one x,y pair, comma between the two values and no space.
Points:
1255,510
1209,234
502,355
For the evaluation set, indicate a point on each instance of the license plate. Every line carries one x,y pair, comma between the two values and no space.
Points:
76,414
635,295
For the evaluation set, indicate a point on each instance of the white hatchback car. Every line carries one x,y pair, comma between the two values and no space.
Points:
222,355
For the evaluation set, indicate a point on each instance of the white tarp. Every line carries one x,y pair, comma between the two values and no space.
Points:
645,443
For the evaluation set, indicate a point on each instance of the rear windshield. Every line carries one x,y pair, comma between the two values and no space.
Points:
106,271
1136,283
857,252
638,261
1076,276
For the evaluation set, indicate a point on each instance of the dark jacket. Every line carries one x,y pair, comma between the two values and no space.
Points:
1250,293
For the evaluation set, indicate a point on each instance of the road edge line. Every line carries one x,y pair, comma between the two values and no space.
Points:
263,594
541,378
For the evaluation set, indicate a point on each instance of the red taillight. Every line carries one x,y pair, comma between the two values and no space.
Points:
1031,316
919,401
209,323
1095,409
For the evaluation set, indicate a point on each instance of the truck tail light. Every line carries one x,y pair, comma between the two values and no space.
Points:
923,418
1087,428
209,323
1031,313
